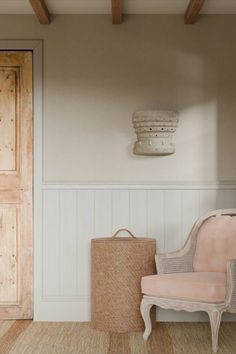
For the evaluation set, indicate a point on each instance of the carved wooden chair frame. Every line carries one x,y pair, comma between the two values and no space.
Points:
182,262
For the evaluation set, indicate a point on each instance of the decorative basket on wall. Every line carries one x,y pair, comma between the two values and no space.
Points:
154,131
117,266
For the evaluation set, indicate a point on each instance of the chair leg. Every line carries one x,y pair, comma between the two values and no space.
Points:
145,311
215,318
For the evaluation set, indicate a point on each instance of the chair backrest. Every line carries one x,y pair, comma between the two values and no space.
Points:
216,243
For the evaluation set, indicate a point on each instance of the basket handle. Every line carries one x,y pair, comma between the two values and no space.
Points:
118,231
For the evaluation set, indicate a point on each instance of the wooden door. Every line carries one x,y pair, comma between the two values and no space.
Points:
16,240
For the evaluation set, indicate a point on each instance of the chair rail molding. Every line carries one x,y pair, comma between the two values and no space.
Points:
141,185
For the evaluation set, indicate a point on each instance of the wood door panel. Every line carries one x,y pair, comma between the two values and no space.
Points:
13,58
9,178
9,254
8,119
16,236
10,196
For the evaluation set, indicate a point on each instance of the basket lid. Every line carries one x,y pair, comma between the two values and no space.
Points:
123,239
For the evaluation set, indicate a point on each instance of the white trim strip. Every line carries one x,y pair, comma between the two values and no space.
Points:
144,186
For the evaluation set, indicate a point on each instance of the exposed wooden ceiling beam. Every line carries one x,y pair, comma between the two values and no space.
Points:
193,11
116,6
41,11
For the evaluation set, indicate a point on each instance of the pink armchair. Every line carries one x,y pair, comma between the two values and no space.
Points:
199,277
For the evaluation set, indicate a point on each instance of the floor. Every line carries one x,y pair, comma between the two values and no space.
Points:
27,337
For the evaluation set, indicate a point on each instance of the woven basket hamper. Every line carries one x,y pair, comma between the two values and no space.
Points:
117,266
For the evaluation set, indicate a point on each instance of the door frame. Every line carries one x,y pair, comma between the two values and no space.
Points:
36,46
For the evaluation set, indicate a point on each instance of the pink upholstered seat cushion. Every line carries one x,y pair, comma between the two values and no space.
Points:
200,287
216,243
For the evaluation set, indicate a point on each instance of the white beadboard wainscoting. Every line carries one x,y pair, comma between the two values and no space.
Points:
73,214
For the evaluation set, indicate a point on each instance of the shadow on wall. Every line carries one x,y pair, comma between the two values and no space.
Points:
150,62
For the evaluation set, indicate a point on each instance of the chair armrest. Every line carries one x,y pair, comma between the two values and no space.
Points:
175,262
231,285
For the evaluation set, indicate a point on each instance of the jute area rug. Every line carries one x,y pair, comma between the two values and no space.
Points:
28,337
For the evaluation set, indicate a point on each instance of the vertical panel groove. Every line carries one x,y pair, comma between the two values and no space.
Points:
112,212
199,202
182,216
77,244
42,244
147,212
59,253
94,201
164,217
129,211
43,274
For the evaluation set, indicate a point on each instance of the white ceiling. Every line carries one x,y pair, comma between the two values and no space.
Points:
130,6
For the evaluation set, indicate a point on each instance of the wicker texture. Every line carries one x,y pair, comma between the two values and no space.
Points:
180,261
117,266
182,264
232,307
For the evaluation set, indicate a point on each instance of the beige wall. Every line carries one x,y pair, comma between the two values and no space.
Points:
96,75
